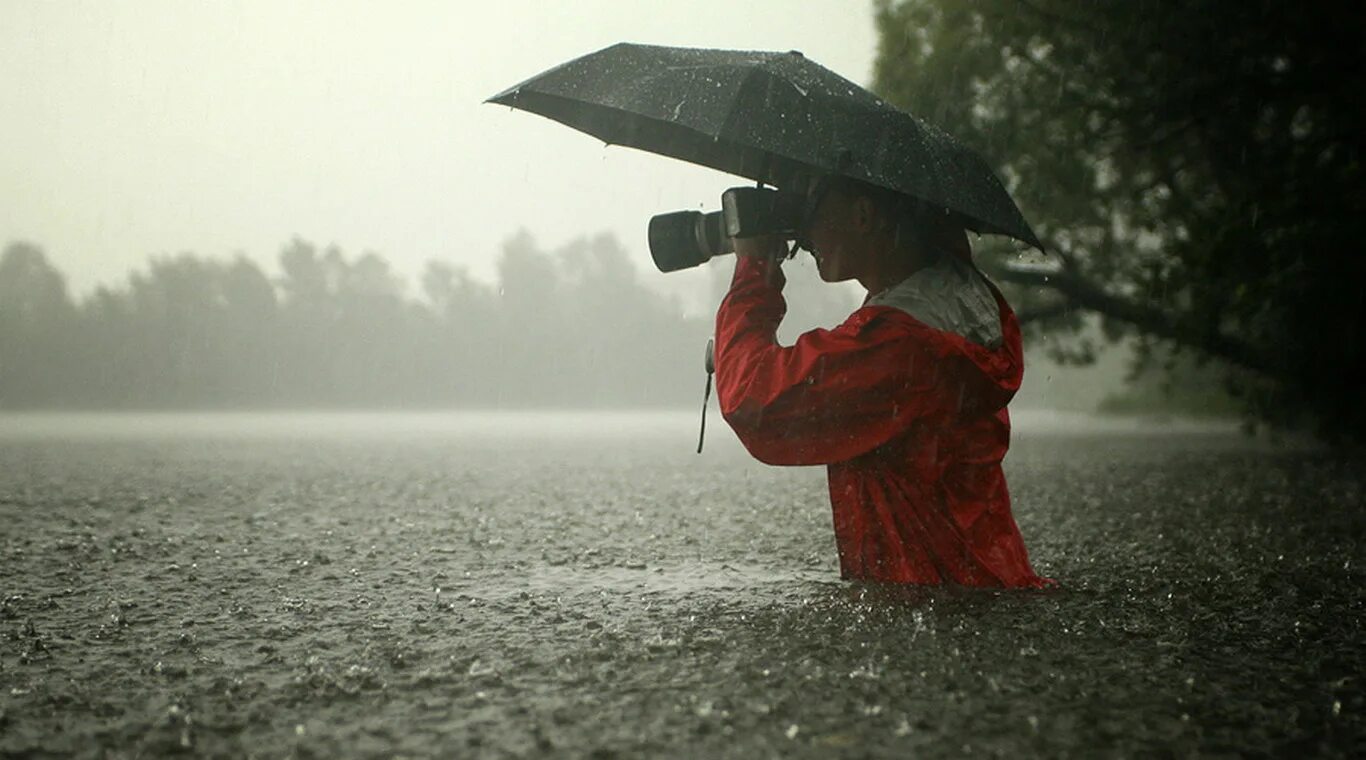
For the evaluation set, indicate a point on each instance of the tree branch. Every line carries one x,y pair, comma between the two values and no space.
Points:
1080,293
1041,313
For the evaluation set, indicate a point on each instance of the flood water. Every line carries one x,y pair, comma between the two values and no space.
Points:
507,584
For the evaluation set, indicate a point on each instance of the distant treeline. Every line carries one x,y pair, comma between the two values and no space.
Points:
571,328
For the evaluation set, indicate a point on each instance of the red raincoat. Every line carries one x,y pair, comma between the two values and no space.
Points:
910,420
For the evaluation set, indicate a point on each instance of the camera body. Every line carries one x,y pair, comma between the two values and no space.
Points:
755,211
684,239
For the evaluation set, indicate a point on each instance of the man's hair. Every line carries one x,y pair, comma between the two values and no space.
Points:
913,221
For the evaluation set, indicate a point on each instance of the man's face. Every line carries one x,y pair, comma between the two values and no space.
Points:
838,233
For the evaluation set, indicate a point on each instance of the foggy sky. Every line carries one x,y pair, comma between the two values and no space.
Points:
134,129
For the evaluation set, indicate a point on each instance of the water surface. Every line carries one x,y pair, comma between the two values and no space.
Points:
356,585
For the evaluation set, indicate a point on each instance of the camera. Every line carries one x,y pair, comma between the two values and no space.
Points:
683,239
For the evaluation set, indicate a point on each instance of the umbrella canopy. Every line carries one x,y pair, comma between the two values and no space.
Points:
777,118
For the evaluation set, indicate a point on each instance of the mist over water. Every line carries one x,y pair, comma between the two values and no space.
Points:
528,426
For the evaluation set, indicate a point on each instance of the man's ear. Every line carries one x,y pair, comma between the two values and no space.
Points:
865,214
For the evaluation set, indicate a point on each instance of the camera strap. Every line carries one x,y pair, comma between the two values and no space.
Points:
706,394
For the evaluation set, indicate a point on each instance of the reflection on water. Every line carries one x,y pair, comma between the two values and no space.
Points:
758,584
673,579
495,424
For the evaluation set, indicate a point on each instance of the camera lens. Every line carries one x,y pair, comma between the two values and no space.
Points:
684,239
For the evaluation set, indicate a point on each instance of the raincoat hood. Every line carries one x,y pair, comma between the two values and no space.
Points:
953,307
952,295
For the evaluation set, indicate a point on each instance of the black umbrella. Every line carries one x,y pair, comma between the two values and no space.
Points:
776,118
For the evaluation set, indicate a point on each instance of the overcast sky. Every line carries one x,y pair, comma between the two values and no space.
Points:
145,128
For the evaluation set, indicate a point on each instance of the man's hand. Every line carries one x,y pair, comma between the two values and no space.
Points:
769,249
760,246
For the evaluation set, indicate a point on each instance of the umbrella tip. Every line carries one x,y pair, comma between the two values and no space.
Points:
797,53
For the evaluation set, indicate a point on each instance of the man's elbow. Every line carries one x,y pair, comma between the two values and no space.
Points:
768,444
748,427
769,455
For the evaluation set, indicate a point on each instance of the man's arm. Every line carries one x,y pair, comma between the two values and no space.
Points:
833,395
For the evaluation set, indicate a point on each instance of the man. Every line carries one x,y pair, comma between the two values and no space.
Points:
905,402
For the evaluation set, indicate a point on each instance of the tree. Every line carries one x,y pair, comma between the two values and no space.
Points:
575,327
1194,167
36,321
629,345
459,336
